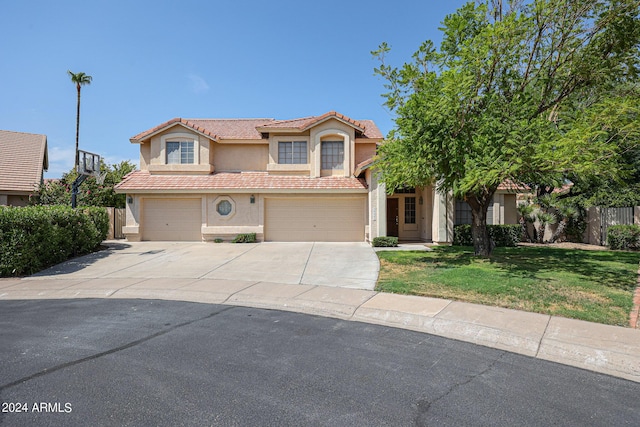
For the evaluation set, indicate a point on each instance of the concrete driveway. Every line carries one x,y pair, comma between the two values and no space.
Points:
350,265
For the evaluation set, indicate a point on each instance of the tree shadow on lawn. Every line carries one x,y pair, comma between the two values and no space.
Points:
597,266
538,263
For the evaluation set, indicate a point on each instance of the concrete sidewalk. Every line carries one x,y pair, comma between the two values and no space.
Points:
606,349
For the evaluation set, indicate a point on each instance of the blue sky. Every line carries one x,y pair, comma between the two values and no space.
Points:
155,60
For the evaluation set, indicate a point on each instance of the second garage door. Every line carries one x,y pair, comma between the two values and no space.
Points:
315,219
172,219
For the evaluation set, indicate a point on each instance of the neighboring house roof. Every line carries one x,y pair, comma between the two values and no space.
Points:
23,158
249,181
219,129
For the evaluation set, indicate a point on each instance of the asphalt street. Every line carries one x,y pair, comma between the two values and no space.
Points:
148,362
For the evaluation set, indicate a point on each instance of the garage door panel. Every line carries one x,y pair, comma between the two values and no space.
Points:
315,219
172,219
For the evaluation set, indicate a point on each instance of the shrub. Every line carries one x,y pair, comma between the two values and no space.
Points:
502,235
624,237
385,242
245,238
218,240
35,237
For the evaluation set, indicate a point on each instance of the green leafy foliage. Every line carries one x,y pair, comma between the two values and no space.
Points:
385,242
58,192
624,237
35,237
245,238
501,235
528,92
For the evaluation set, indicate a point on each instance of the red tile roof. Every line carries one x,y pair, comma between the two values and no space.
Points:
143,181
23,157
217,129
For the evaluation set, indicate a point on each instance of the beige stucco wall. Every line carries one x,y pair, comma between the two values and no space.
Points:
426,214
364,152
245,157
443,217
244,212
377,206
145,156
510,209
14,199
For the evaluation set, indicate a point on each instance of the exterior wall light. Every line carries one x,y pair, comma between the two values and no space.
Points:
252,199
130,200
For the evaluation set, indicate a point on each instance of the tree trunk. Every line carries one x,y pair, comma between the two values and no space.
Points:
561,226
482,243
542,226
77,130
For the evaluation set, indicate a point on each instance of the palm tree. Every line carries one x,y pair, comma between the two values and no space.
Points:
79,79
566,214
544,219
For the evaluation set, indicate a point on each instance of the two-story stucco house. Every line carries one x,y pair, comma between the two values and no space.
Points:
306,179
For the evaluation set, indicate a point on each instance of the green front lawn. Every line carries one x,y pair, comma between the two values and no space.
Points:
596,286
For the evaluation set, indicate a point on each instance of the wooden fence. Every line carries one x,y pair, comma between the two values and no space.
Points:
117,219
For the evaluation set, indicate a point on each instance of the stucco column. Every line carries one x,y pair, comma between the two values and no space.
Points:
379,208
498,209
442,226
132,228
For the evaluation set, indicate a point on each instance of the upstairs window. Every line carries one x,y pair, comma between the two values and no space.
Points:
332,154
292,152
180,152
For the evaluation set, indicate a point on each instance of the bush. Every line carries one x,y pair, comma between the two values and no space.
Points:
502,235
385,242
245,238
36,237
624,237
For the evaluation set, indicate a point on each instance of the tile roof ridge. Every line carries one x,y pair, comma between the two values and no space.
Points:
277,122
231,119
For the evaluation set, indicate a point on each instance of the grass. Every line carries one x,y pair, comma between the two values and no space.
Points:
596,286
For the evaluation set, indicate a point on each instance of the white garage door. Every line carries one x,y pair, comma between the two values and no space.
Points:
172,219
315,219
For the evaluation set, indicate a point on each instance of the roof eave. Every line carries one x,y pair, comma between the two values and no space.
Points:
244,191
169,125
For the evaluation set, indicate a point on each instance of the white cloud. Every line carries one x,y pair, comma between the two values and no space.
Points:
60,161
198,84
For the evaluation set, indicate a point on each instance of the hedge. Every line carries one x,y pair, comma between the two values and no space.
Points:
36,237
385,242
502,235
624,237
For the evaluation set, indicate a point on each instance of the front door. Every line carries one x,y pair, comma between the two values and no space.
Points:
392,217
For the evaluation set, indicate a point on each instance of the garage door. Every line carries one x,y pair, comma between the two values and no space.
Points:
172,219
314,219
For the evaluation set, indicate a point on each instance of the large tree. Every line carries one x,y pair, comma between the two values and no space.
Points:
521,92
79,79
